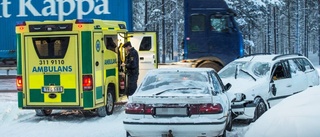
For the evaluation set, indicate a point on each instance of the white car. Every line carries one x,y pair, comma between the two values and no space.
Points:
261,81
290,118
179,102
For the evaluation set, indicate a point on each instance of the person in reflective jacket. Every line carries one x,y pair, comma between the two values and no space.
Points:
132,67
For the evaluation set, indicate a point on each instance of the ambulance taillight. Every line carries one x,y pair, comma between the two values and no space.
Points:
87,82
19,83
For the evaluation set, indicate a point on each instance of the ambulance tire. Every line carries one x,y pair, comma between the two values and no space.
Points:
110,102
101,111
43,112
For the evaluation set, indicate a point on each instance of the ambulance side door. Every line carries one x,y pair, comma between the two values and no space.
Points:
98,50
146,45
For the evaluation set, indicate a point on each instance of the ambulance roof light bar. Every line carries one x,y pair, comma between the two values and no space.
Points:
21,23
84,21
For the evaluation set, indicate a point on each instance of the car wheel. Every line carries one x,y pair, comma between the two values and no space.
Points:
260,109
43,112
224,134
128,134
110,102
229,125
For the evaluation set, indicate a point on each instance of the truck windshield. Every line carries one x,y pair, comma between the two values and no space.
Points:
220,23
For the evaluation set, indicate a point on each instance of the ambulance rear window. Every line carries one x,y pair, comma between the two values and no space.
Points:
51,48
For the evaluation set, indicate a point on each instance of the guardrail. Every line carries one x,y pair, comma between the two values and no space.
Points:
8,69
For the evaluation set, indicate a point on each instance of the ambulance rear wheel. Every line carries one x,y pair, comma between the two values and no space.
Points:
101,111
110,102
43,112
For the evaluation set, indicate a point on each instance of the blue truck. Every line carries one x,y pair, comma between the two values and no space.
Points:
212,37
13,11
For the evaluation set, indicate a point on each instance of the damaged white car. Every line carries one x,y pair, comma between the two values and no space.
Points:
261,81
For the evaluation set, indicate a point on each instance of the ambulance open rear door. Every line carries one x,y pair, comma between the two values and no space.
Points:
146,45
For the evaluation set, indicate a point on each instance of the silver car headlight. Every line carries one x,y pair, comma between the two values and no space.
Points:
239,97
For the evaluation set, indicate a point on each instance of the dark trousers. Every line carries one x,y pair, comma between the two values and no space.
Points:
132,83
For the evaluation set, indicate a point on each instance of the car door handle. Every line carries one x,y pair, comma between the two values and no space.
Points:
289,86
141,58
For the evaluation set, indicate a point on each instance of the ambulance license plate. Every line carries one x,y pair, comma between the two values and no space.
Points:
52,89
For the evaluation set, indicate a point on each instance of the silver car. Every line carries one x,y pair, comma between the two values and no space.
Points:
179,102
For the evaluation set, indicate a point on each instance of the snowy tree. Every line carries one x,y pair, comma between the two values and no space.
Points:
164,16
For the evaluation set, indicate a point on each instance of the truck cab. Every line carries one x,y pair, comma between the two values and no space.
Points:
212,37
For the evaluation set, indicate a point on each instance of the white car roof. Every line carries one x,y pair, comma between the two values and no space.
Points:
267,58
181,69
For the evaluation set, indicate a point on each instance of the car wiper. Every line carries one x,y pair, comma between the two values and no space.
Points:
162,91
175,89
248,74
185,88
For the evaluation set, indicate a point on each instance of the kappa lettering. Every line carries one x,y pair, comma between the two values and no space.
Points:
5,4
60,8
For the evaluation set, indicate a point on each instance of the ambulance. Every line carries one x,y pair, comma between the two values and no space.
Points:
75,64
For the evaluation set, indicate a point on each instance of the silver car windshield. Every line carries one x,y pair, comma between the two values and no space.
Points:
177,82
255,69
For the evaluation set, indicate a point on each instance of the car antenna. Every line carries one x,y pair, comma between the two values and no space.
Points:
252,58
237,71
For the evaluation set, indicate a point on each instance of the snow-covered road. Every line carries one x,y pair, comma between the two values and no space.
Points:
23,123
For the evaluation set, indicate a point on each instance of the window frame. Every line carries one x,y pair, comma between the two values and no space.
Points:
201,26
51,46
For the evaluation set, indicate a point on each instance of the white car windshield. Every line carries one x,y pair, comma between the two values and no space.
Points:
245,69
174,82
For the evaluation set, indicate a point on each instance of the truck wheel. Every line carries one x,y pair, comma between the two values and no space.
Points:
102,112
260,109
110,102
43,112
210,64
